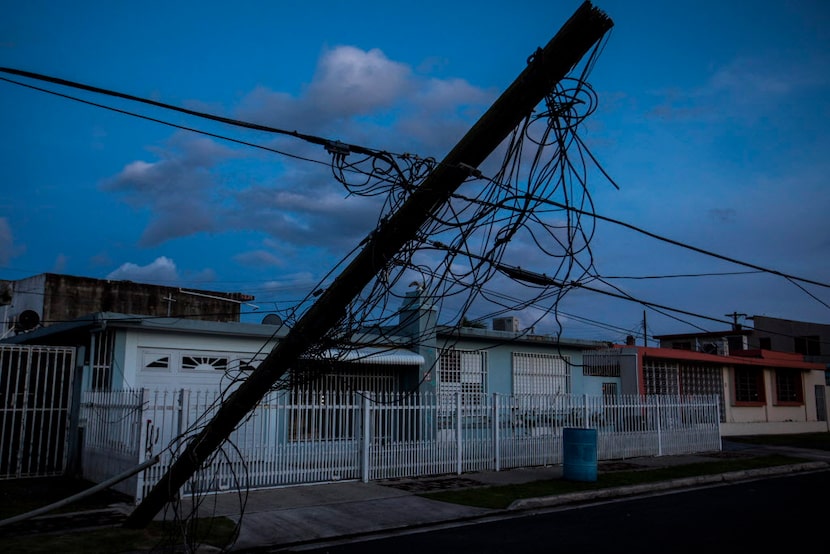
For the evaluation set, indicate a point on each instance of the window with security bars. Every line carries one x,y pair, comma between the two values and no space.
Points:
749,385
788,388
102,346
601,363
463,371
535,373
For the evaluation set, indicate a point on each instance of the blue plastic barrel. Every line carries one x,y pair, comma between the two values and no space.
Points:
579,449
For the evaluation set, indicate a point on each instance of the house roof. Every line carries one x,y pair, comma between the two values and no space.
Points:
447,331
707,335
101,320
758,358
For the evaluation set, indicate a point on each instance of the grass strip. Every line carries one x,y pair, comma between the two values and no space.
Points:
156,537
501,496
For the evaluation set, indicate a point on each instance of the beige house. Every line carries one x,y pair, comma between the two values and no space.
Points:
761,391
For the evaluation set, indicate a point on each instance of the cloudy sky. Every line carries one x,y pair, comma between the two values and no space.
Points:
712,120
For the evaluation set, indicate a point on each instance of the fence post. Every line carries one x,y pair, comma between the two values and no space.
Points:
496,457
585,411
659,428
364,454
180,416
458,433
143,398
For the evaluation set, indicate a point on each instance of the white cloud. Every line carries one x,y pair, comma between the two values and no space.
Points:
178,189
197,185
351,81
160,270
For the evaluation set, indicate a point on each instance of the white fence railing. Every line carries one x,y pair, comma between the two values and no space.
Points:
293,438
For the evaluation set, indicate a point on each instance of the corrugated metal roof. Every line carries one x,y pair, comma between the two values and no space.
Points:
375,356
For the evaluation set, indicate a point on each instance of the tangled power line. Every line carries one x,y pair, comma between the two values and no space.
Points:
536,197
535,200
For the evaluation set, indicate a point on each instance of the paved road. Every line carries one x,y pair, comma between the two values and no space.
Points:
775,514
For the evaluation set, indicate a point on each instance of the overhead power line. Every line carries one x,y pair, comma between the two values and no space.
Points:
332,145
681,275
505,205
543,280
227,120
162,122
684,245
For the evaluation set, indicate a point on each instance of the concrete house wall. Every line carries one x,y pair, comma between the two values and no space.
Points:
501,345
57,298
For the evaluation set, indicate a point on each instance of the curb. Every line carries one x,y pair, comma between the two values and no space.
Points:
686,482
544,502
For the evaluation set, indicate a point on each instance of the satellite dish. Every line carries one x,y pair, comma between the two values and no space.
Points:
272,319
27,320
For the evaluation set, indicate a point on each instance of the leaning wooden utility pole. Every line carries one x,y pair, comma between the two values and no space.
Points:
547,67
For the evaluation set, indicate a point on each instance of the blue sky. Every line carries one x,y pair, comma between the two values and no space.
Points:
712,118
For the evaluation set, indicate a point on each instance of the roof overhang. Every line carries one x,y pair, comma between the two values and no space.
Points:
704,336
768,359
373,356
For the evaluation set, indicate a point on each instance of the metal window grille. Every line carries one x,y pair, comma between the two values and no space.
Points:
535,373
601,363
102,352
463,371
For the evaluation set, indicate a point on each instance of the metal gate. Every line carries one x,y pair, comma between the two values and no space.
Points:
35,398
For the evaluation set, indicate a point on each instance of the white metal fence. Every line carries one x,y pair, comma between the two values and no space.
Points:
293,438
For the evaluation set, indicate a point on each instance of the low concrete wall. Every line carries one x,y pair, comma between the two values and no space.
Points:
773,428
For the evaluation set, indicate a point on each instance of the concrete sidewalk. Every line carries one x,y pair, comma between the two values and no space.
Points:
292,517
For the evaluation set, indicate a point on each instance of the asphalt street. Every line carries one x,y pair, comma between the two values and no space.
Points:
781,514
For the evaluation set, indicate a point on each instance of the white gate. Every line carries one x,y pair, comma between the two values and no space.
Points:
35,398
